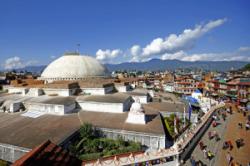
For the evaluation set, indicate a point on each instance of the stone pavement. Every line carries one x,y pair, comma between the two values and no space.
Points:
212,145
241,155
227,130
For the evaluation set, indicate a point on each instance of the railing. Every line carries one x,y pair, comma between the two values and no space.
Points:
162,155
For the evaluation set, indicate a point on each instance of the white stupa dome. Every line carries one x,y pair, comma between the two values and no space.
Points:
74,67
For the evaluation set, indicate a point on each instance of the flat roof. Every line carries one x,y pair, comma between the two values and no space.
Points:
166,106
118,121
136,93
57,100
29,132
60,100
108,98
14,98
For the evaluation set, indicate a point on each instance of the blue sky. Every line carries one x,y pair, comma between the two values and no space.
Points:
114,31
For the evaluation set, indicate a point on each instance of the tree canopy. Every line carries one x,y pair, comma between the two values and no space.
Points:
246,67
91,146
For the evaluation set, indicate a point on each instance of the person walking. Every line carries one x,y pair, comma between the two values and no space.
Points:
205,153
210,155
192,160
230,144
223,116
229,158
216,135
239,142
247,125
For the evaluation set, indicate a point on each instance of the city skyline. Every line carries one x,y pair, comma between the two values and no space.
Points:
115,32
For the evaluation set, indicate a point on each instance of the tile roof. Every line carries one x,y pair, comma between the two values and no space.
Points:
48,154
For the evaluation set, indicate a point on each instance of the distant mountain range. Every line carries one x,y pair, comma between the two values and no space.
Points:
158,64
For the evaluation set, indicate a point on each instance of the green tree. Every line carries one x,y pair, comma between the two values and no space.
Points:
86,130
246,67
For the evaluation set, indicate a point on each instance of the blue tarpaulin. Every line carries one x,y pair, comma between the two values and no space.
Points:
191,100
197,91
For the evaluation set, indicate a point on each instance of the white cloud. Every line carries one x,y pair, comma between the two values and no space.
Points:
243,49
13,63
177,55
106,55
237,55
52,57
16,63
135,52
184,41
176,46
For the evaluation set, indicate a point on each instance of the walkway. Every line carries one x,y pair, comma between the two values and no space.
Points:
241,155
227,130
212,145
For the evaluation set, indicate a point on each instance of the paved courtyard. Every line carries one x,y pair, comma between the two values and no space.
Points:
241,155
228,130
166,96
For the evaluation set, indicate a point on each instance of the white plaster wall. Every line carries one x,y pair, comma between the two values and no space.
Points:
46,108
162,143
121,88
94,91
34,92
11,153
16,90
142,99
169,88
59,92
136,118
102,107
154,142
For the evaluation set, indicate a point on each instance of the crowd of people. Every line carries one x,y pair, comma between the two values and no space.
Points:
207,153
227,144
